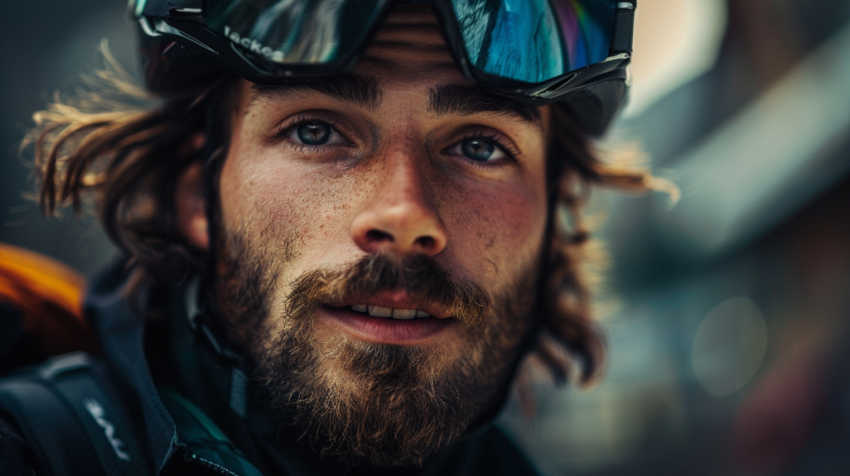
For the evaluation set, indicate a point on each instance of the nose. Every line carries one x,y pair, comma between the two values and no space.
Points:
400,216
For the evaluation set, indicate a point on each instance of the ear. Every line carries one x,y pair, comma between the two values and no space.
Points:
191,208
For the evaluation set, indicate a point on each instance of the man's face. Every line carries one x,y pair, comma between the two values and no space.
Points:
399,189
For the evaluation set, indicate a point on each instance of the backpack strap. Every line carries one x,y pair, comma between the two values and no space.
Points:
69,413
48,425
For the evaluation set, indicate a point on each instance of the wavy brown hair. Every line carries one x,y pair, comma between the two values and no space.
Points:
112,141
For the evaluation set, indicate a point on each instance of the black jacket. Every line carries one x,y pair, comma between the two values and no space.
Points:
144,356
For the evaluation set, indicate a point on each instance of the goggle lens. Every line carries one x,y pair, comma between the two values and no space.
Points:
534,40
294,31
524,40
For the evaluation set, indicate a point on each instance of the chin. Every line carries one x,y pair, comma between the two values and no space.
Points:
380,405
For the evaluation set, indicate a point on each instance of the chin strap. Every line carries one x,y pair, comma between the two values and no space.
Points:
207,332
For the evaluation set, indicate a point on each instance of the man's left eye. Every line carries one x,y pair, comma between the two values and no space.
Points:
479,149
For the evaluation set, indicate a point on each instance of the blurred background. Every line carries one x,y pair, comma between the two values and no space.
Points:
728,342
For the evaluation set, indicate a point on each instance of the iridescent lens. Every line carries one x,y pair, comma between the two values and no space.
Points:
294,31
535,40
587,27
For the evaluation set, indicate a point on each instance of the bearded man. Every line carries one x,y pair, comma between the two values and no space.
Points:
343,228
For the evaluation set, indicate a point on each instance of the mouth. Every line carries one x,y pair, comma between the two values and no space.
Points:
389,319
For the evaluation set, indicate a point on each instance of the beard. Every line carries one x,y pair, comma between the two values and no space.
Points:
362,403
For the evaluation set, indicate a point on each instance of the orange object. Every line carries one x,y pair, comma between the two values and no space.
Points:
49,295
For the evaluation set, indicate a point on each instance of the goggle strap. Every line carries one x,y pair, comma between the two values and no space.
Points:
172,8
624,25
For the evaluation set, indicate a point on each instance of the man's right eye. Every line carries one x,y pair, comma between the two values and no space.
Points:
314,134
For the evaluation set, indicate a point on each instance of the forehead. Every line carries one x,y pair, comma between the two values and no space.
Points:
409,44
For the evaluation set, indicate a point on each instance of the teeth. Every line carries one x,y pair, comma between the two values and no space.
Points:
379,311
404,313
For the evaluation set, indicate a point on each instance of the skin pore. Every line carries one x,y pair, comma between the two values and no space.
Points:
399,185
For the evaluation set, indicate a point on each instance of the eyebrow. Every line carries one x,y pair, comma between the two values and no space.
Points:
346,87
365,91
462,100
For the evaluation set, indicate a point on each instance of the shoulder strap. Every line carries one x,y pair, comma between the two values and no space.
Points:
71,415
49,427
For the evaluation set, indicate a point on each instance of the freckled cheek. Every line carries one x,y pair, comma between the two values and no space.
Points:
505,228
263,197
249,199
516,222
279,199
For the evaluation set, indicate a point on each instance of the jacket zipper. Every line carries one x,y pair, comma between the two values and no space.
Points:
213,466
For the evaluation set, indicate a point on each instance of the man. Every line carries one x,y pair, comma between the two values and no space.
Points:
335,259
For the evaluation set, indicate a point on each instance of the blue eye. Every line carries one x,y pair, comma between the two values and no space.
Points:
314,134
479,149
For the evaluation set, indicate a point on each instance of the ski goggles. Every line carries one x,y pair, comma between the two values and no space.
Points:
537,50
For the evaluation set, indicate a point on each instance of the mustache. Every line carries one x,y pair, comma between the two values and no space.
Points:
424,280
